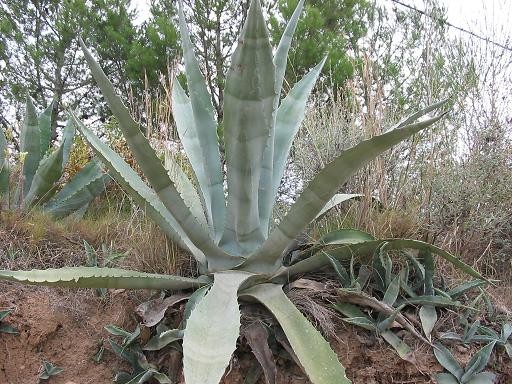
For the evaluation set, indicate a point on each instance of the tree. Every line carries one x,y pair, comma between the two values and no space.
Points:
327,27
156,49
40,56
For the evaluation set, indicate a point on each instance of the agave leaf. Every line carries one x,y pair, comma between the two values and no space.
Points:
428,261
152,167
336,200
392,291
43,182
185,187
345,236
4,313
349,310
87,184
481,339
450,336
404,278
122,377
4,166
323,187
194,299
388,322
281,56
416,244
486,331
363,275
446,359
403,350
442,293
340,270
428,318
118,331
79,214
316,356
355,316
49,370
184,118
482,378
6,328
472,331
363,322
464,287
129,337
342,252
336,237
206,350
248,121
437,301
92,277
203,128
147,376
471,369
506,331
161,378
418,267
163,339
144,196
446,378
478,362
288,119
383,266
68,135
345,251
266,192
256,336
30,144
361,298
128,354
45,128
422,112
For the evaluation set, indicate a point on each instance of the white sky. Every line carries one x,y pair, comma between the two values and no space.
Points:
475,15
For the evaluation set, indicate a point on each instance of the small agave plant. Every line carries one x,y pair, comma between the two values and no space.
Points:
41,170
240,251
472,373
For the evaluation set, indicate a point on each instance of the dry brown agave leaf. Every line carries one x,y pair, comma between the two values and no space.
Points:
308,284
256,336
153,311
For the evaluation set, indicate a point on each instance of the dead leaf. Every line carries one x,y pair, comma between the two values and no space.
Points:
257,337
308,284
153,311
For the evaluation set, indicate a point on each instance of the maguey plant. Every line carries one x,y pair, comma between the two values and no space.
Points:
41,169
241,252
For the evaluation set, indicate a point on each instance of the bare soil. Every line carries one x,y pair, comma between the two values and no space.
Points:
66,327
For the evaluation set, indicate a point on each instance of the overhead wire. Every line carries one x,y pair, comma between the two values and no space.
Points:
451,25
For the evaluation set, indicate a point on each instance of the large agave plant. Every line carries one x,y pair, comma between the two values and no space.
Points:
240,251
41,170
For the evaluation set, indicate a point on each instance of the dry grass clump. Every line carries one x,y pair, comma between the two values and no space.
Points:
36,241
313,299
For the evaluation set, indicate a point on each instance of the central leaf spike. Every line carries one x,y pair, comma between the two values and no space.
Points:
248,123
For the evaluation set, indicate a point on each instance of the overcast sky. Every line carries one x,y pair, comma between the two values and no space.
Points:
489,18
